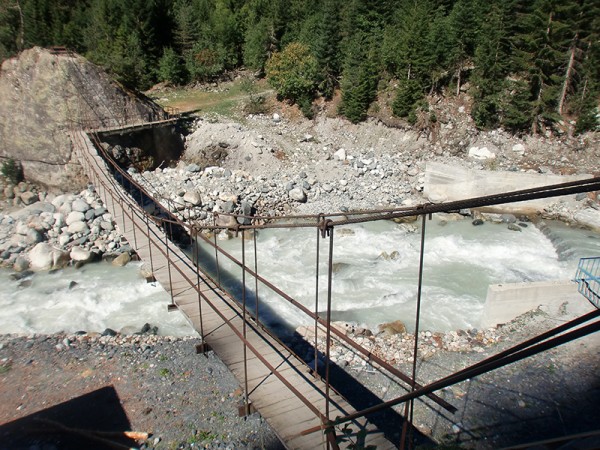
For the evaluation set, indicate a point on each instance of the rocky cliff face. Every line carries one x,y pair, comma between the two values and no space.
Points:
43,95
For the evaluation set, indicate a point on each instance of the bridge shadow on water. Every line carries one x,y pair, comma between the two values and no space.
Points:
358,396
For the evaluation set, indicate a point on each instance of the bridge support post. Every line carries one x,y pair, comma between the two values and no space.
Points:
328,335
410,405
195,257
172,306
244,334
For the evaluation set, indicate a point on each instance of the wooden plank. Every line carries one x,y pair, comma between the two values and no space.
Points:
278,404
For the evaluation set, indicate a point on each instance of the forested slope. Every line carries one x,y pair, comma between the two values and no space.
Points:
527,65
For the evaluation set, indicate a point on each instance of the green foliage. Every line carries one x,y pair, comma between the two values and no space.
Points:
256,101
13,171
529,64
518,108
588,118
294,74
408,94
171,67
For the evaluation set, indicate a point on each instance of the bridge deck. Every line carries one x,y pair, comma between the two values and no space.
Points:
275,401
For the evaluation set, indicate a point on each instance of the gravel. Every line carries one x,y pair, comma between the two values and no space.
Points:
158,385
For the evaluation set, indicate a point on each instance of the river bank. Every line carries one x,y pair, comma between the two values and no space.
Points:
149,384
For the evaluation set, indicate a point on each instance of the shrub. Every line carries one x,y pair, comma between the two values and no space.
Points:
13,171
294,74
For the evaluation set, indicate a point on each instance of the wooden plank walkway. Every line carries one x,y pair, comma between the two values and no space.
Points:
272,398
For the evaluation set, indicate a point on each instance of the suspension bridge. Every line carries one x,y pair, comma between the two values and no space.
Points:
309,405
305,404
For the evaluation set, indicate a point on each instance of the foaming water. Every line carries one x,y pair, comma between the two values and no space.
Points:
369,288
103,297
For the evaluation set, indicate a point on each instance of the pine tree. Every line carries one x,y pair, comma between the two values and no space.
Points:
464,22
326,46
11,28
491,67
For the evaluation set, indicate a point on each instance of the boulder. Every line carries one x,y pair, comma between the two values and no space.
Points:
481,153
226,221
193,198
298,195
391,328
29,198
122,259
75,216
78,227
21,264
80,254
80,205
340,155
519,149
41,256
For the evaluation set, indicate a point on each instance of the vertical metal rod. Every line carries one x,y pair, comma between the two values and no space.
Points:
133,229
319,218
409,409
328,338
169,263
149,244
216,251
122,214
256,277
196,257
246,405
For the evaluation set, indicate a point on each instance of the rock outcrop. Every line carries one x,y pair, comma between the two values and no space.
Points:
43,95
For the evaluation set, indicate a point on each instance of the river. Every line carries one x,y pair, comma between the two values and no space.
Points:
460,262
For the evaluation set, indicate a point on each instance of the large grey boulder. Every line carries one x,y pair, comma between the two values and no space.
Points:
41,256
298,195
80,254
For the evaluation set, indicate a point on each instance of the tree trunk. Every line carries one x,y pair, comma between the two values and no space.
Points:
568,75
458,73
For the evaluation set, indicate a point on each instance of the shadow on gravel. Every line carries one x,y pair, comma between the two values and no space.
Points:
92,421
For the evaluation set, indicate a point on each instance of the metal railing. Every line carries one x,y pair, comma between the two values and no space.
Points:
132,197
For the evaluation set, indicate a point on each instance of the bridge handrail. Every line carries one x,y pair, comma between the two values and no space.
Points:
326,224
274,370
340,335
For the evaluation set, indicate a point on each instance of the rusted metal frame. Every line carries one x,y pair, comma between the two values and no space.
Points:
409,406
556,190
256,279
196,256
268,365
146,220
366,353
217,254
331,439
540,338
118,189
246,403
316,369
328,330
169,268
472,371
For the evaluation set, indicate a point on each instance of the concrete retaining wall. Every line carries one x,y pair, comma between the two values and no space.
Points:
505,302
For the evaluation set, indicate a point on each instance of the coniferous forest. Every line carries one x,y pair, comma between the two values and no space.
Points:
527,65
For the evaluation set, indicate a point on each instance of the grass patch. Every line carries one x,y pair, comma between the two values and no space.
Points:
228,99
164,372
4,369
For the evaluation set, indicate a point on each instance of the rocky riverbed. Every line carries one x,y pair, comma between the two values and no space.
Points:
271,166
